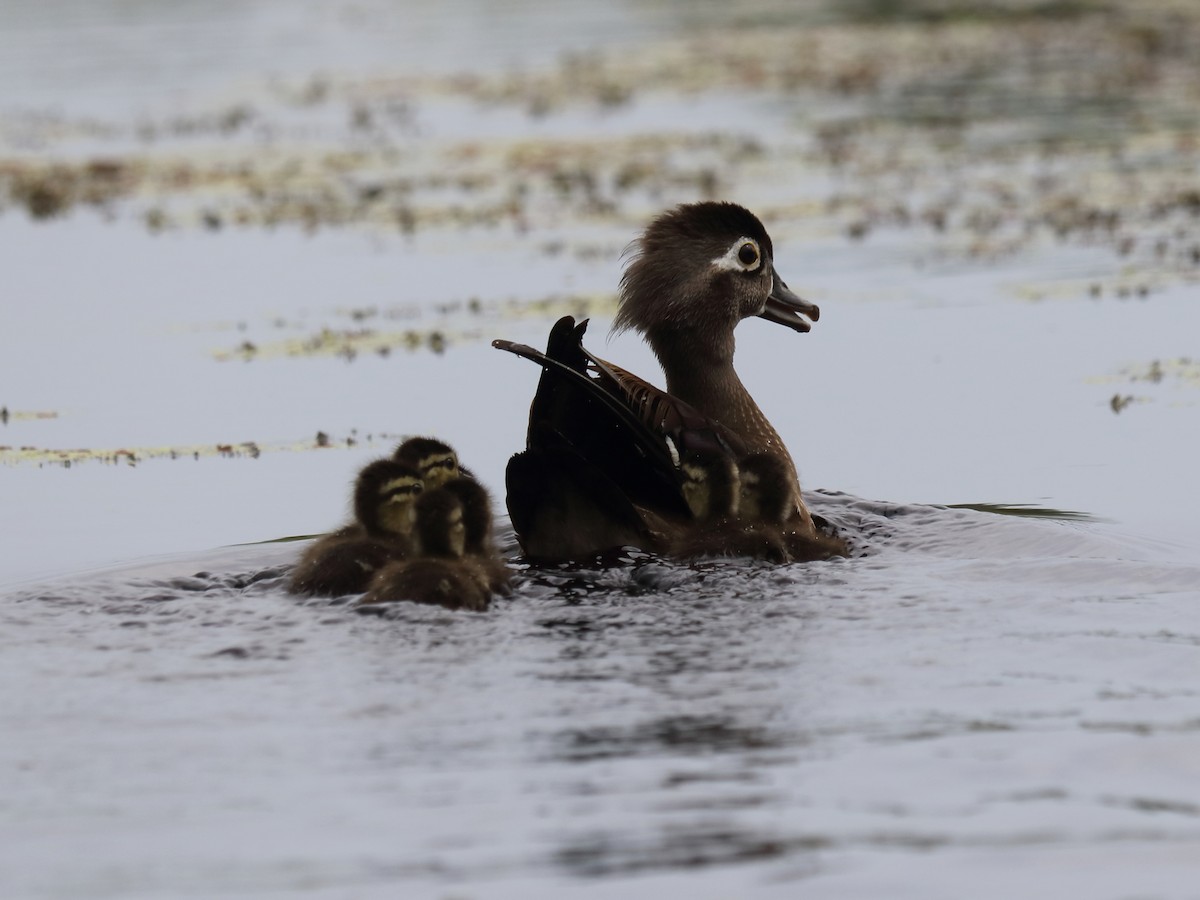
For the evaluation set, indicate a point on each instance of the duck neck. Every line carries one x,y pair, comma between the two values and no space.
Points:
700,372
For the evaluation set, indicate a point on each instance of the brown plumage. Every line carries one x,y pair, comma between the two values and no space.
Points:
713,486
478,520
440,575
344,562
710,485
601,465
765,509
441,468
687,311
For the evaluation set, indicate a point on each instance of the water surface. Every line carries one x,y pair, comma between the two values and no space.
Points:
221,241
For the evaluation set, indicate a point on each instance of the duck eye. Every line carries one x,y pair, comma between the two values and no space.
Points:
748,255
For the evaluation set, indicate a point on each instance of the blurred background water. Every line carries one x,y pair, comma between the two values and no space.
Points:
228,227
78,56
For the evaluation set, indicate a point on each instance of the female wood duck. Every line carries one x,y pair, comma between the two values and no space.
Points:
345,561
440,573
601,468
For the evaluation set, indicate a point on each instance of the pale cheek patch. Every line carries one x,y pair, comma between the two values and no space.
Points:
730,262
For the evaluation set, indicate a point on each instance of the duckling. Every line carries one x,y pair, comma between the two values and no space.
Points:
713,486
763,490
601,466
435,460
766,510
478,520
710,485
440,467
344,562
440,574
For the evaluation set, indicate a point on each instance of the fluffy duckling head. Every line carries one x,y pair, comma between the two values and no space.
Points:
440,528
710,484
766,489
436,461
384,496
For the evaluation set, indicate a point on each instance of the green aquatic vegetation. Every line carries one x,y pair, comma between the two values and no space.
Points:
458,322
17,415
1027,511
1183,370
135,455
940,12
1152,380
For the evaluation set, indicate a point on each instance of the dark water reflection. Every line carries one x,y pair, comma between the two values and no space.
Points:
687,735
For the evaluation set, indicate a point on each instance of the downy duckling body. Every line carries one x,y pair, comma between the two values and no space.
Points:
766,511
710,485
478,521
344,562
601,466
714,488
440,575
440,467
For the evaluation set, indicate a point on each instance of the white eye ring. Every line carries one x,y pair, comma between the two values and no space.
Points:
743,255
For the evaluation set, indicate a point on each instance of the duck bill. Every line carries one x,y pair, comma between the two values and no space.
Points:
785,308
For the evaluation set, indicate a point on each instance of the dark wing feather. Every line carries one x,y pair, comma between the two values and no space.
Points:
598,424
689,429
563,507
601,466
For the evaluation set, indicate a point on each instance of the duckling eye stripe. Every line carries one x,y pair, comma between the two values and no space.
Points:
398,486
730,262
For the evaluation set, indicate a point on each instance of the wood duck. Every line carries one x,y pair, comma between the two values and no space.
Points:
435,460
345,561
440,574
601,468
